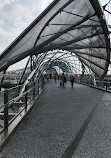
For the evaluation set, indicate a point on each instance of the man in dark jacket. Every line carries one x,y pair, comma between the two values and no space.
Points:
72,80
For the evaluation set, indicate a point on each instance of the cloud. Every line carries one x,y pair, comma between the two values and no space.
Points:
1,22
16,15
6,2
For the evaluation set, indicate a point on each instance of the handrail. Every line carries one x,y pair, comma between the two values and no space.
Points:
22,101
18,97
103,85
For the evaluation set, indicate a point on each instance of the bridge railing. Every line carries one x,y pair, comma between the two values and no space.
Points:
101,84
12,104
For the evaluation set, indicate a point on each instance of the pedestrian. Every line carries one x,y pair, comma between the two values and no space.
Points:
47,77
50,76
63,80
58,77
55,77
72,80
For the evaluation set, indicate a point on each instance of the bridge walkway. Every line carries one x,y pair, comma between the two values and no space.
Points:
64,123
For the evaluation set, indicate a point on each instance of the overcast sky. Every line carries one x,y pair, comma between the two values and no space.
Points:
16,15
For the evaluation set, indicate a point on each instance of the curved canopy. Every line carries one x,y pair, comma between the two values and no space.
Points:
77,26
62,65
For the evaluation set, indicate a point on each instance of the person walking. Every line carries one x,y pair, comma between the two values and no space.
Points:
62,80
55,77
72,80
50,76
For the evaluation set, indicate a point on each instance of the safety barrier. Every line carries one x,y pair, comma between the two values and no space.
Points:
101,84
12,104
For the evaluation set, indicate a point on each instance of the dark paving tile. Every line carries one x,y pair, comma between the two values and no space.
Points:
96,142
53,123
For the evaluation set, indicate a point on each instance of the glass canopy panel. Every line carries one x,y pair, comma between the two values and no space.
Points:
74,25
93,67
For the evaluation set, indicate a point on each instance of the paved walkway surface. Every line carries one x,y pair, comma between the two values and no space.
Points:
65,123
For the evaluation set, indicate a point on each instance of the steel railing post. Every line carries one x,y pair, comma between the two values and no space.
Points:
6,109
38,86
26,97
34,90
106,88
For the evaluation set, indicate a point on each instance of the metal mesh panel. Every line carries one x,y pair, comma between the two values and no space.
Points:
74,25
